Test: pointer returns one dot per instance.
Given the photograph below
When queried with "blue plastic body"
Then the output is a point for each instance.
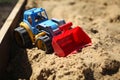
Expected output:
(37, 17)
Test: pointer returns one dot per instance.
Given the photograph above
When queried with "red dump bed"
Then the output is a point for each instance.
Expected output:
(69, 41)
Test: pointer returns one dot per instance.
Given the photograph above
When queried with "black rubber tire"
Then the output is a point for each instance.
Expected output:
(46, 42)
(22, 37)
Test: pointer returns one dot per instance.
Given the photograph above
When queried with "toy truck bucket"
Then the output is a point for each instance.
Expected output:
(70, 40)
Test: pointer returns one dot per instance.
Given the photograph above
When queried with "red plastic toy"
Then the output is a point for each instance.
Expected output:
(70, 40)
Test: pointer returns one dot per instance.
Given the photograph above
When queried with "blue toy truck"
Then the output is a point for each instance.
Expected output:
(37, 29)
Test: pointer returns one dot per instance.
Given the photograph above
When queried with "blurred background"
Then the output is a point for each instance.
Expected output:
(5, 9)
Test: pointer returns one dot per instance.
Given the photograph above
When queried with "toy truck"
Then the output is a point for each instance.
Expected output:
(70, 40)
(37, 29)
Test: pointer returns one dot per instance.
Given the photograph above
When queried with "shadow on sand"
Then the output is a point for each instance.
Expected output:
(19, 66)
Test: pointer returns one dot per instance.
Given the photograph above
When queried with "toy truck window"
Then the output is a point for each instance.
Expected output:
(39, 17)
(43, 15)
(30, 19)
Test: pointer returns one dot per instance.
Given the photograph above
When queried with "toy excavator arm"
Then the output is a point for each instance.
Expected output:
(66, 26)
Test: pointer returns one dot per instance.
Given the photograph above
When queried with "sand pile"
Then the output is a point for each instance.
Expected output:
(101, 61)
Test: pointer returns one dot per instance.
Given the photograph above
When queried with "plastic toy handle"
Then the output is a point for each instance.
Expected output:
(66, 26)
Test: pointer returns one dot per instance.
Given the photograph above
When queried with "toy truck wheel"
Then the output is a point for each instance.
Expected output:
(44, 43)
(22, 37)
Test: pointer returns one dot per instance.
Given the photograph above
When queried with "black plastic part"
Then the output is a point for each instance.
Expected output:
(47, 41)
(22, 37)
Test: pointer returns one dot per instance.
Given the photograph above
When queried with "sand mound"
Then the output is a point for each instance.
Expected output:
(110, 66)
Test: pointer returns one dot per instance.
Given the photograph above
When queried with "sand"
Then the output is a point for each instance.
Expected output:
(100, 19)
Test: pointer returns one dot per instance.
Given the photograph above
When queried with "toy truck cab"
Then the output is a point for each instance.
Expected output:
(37, 20)
(33, 17)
